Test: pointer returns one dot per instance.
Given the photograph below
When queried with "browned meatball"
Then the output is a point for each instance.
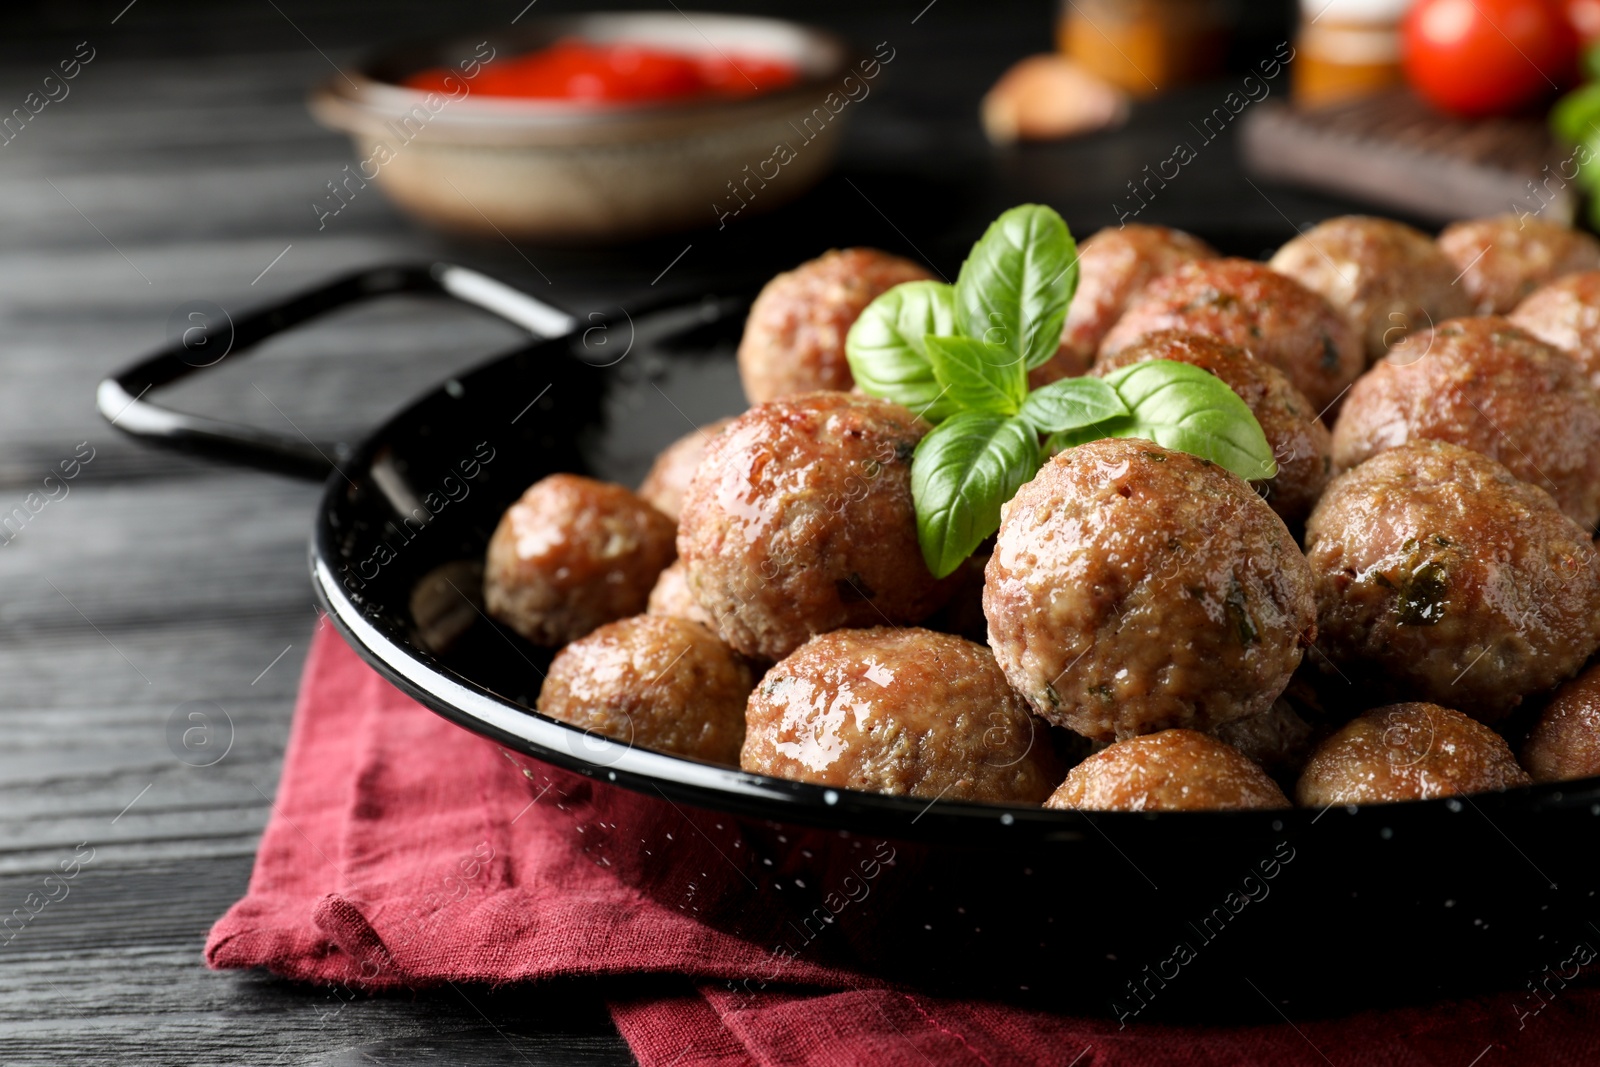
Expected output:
(1278, 739)
(1251, 305)
(1486, 385)
(794, 339)
(1174, 770)
(1503, 259)
(1440, 576)
(669, 476)
(800, 521)
(1114, 266)
(903, 711)
(1407, 752)
(1300, 442)
(1387, 278)
(656, 682)
(572, 554)
(1566, 313)
(1565, 743)
(671, 596)
(1133, 589)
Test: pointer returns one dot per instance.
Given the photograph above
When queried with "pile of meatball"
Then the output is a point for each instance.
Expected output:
(1411, 600)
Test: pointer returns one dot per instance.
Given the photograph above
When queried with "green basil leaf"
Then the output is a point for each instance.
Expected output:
(1574, 117)
(978, 377)
(885, 349)
(1071, 404)
(1014, 288)
(961, 474)
(1182, 407)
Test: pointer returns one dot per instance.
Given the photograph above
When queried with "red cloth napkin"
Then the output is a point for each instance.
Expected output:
(404, 851)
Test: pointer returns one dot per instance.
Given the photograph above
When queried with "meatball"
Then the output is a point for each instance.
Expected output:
(573, 554)
(1565, 743)
(1440, 576)
(671, 596)
(1387, 278)
(669, 476)
(903, 711)
(1300, 442)
(1278, 739)
(656, 682)
(1253, 306)
(800, 521)
(1407, 752)
(1133, 589)
(1566, 314)
(1174, 770)
(1484, 384)
(1114, 266)
(1503, 259)
(794, 338)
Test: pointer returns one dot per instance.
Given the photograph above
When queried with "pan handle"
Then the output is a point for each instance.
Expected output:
(122, 397)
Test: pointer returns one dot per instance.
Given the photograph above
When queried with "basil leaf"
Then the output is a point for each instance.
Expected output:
(1014, 287)
(976, 376)
(885, 349)
(1071, 404)
(960, 475)
(1182, 407)
(1573, 118)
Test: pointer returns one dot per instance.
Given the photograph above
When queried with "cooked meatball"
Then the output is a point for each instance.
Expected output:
(1174, 770)
(1565, 743)
(794, 339)
(800, 521)
(1487, 385)
(671, 596)
(903, 711)
(1114, 266)
(1278, 739)
(1440, 576)
(656, 682)
(1407, 752)
(1133, 589)
(1251, 305)
(1566, 314)
(1300, 442)
(669, 476)
(573, 554)
(1386, 278)
(1503, 259)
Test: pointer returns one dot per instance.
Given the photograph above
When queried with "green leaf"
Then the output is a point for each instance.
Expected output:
(1014, 288)
(976, 376)
(1182, 407)
(960, 475)
(1575, 118)
(1071, 404)
(885, 349)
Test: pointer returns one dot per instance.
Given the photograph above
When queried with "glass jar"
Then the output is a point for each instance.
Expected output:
(1145, 46)
(1346, 49)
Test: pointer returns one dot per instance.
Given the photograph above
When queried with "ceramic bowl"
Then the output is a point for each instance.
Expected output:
(570, 171)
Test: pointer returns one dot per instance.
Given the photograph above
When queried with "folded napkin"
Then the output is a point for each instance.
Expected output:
(405, 852)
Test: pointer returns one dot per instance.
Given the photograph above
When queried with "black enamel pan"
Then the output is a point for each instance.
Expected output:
(1135, 915)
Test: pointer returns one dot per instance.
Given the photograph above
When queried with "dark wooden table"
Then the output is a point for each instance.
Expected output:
(182, 167)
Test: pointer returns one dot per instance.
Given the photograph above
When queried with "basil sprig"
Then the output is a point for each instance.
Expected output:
(959, 356)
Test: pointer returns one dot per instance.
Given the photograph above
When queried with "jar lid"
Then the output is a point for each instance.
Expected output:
(1374, 11)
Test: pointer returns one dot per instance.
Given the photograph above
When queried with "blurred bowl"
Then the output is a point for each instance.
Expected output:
(571, 171)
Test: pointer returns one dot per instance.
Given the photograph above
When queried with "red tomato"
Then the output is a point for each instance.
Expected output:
(1487, 57)
(1585, 18)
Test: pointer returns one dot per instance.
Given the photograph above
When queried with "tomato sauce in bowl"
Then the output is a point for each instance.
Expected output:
(590, 72)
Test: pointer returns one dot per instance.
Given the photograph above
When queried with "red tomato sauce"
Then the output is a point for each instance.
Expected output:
(587, 72)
